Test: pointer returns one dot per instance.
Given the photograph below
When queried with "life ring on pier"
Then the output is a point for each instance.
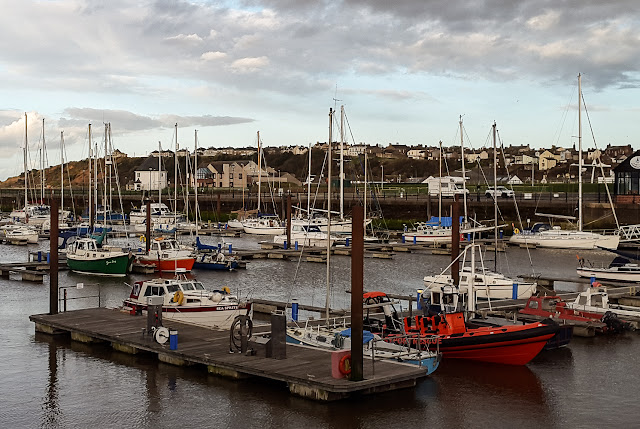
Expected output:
(344, 366)
(178, 297)
(516, 231)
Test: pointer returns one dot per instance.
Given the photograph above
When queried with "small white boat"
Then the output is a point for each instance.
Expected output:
(305, 235)
(374, 347)
(189, 301)
(486, 284)
(263, 225)
(542, 235)
(21, 233)
(620, 269)
(426, 233)
(595, 300)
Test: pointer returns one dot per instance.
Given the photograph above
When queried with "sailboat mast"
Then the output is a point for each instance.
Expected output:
(95, 180)
(175, 182)
(61, 171)
(440, 186)
(495, 201)
(464, 175)
(341, 162)
(365, 190)
(104, 179)
(328, 296)
(259, 171)
(90, 208)
(309, 185)
(26, 183)
(42, 166)
(579, 152)
(195, 177)
(159, 174)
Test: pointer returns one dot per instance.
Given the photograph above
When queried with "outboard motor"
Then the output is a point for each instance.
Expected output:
(614, 324)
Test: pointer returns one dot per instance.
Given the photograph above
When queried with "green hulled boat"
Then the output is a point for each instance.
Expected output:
(84, 256)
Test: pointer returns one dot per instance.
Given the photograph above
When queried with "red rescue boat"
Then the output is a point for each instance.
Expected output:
(510, 344)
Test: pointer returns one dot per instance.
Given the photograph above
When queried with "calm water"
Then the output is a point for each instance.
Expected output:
(51, 382)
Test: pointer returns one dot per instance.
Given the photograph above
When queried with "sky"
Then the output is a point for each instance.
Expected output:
(405, 71)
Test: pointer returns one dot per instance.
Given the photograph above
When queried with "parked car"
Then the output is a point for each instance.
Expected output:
(499, 191)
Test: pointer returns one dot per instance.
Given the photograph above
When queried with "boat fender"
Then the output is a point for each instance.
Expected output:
(344, 366)
(178, 297)
(220, 257)
(516, 231)
(226, 289)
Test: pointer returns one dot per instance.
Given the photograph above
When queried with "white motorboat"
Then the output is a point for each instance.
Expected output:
(595, 300)
(487, 284)
(263, 225)
(21, 233)
(305, 235)
(620, 269)
(543, 235)
(188, 301)
(425, 232)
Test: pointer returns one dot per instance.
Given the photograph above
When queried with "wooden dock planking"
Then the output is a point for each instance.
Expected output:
(306, 370)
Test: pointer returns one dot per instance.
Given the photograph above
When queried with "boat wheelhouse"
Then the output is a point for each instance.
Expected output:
(187, 300)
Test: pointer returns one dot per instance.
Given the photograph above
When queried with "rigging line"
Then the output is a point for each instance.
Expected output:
(515, 201)
(563, 118)
(600, 162)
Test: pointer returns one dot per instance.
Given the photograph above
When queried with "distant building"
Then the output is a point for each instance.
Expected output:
(627, 179)
(148, 175)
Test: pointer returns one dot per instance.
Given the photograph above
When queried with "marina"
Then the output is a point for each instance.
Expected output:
(130, 329)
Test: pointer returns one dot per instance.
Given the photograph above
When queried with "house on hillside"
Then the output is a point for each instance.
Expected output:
(149, 176)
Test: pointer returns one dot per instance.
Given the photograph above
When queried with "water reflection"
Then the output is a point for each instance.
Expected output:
(477, 387)
(50, 402)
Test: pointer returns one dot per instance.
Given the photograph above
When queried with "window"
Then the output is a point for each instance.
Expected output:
(230, 175)
(231, 184)
(239, 175)
(221, 184)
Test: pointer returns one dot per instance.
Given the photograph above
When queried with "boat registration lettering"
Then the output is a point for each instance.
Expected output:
(227, 307)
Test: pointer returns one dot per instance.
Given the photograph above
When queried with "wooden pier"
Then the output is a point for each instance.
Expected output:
(306, 371)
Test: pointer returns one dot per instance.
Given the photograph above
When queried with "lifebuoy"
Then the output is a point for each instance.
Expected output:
(178, 297)
(143, 238)
(516, 231)
(345, 365)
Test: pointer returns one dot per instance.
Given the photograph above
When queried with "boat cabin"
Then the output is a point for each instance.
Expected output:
(163, 245)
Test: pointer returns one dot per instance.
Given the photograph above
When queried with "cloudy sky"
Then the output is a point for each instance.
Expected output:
(405, 70)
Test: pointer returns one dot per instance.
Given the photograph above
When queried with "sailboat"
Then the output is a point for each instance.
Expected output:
(556, 237)
(32, 214)
(262, 224)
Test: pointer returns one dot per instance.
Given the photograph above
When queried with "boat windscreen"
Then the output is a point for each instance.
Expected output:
(172, 288)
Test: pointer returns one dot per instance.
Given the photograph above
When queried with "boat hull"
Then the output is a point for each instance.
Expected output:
(116, 266)
(605, 274)
(216, 266)
(215, 316)
(567, 240)
(169, 265)
(495, 346)
(264, 230)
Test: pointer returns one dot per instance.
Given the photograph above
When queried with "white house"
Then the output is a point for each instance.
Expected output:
(514, 180)
(149, 177)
